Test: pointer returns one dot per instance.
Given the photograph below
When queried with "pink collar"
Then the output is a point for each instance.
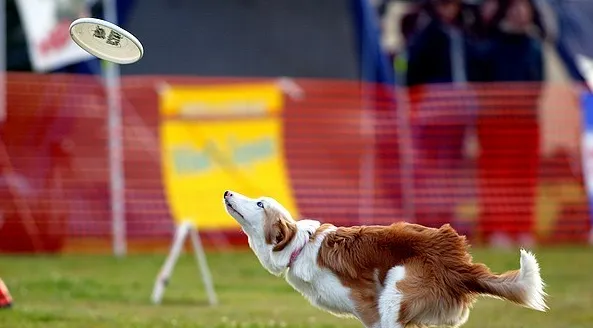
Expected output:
(294, 255)
(297, 252)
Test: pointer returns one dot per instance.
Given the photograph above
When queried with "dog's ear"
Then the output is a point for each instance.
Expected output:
(278, 230)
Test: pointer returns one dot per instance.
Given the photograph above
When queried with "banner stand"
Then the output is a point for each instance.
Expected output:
(207, 146)
(186, 228)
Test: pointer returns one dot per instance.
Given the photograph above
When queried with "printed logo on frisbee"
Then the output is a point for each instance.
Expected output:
(113, 38)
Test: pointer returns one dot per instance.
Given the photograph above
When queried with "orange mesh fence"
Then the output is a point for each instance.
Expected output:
(488, 159)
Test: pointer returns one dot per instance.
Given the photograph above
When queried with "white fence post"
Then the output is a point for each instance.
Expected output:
(115, 139)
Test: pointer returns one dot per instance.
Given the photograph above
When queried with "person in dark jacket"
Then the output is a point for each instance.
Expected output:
(437, 51)
(508, 128)
(439, 69)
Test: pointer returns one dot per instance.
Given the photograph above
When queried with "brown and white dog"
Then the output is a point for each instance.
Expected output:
(402, 275)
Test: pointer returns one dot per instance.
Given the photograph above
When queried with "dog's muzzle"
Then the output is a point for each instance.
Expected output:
(229, 206)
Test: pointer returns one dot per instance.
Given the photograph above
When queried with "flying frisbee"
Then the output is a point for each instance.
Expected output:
(106, 40)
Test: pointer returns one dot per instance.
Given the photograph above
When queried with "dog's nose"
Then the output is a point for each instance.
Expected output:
(227, 194)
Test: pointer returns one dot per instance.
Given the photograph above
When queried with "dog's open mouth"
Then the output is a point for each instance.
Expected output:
(232, 209)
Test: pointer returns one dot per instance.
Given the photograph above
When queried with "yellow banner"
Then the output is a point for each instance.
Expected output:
(208, 148)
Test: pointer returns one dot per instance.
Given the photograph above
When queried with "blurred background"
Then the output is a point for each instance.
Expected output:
(472, 113)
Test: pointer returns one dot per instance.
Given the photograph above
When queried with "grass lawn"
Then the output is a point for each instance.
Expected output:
(100, 291)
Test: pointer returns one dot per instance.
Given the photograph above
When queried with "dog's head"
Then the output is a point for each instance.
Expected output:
(272, 232)
(262, 218)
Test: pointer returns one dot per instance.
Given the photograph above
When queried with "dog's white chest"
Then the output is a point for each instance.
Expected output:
(324, 291)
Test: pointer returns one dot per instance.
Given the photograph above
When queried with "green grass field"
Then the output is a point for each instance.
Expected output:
(100, 291)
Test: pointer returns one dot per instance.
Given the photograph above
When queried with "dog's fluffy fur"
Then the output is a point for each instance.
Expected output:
(402, 275)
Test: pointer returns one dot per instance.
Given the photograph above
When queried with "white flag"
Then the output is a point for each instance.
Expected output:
(46, 24)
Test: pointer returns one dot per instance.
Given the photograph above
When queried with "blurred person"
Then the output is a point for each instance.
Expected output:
(436, 50)
(509, 135)
(487, 11)
(440, 62)
(408, 26)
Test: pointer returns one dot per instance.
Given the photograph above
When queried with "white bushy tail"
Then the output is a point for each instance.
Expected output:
(524, 286)
(531, 282)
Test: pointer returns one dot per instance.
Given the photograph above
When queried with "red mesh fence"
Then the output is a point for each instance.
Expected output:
(482, 158)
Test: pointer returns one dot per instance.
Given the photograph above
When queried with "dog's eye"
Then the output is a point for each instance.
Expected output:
(260, 204)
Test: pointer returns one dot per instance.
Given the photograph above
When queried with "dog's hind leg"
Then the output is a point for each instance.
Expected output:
(390, 300)
(462, 319)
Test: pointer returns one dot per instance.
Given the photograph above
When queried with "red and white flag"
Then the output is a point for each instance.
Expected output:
(46, 24)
